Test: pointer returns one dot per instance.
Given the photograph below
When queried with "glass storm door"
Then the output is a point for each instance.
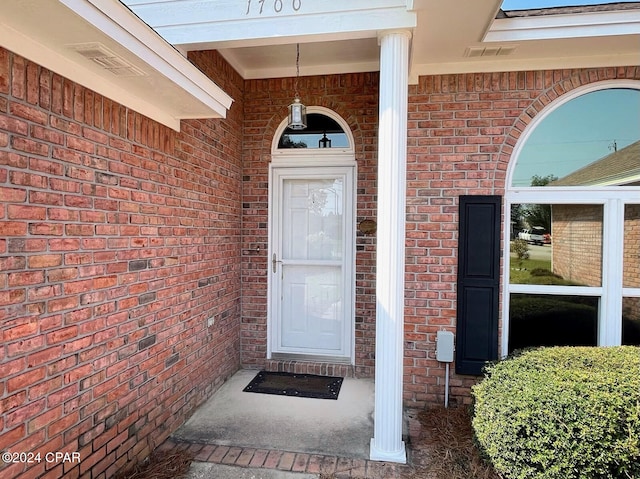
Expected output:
(311, 263)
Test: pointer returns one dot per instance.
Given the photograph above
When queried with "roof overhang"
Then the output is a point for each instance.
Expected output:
(580, 25)
(580, 37)
(137, 67)
(258, 38)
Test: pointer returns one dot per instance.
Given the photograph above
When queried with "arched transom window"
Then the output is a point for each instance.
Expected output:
(326, 140)
(322, 131)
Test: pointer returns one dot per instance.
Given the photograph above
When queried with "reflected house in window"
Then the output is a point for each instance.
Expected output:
(620, 168)
(577, 230)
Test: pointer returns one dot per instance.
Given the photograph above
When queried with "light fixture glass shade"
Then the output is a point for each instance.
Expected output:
(297, 115)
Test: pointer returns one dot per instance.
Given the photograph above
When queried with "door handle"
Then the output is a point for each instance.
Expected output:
(274, 263)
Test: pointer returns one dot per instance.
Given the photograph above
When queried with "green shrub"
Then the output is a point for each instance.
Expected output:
(520, 248)
(544, 272)
(562, 413)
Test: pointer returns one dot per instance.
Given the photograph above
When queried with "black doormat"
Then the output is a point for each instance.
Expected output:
(300, 385)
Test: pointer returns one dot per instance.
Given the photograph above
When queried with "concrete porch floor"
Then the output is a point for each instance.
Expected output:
(259, 435)
(265, 421)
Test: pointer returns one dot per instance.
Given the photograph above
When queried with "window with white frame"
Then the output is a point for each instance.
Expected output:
(573, 223)
(322, 131)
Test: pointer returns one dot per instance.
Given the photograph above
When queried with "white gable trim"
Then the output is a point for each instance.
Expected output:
(564, 26)
(169, 88)
(118, 22)
(202, 24)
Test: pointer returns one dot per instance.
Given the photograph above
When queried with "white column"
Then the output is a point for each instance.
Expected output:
(387, 444)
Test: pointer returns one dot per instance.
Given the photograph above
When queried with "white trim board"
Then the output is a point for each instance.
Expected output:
(168, 88)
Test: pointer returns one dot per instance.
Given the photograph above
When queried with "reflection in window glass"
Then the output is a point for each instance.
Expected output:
(631, 265)
(321, 132)
(589, 141)
(548, 320)
(313, 214)
(556, 244)
(631, 321)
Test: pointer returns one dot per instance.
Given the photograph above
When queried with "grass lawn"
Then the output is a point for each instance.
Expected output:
(521, 270)
(534, 271)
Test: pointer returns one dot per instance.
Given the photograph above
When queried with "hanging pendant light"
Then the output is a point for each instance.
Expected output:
(297, 111)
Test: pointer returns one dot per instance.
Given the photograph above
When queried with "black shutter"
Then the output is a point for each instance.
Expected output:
(478, 283)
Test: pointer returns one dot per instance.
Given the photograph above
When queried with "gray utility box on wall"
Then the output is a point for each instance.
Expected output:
(444, 346)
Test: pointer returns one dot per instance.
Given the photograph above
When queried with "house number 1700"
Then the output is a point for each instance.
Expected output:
(278, 5)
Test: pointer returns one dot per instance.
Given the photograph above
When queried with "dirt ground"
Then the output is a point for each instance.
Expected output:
(445, 448)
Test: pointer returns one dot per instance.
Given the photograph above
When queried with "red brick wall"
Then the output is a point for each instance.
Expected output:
(577, 243)
(631, 268)
(118, 239)
(355, 98)
(462, 130)
(631, 272)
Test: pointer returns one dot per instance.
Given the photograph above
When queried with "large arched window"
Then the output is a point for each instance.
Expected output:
(573, 223)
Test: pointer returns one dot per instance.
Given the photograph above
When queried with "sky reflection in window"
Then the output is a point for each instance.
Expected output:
(597, 132)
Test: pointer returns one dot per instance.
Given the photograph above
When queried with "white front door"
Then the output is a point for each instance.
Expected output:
(311, 268)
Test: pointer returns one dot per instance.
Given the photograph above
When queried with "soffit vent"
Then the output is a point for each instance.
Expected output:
(497, 51)
(106, 59)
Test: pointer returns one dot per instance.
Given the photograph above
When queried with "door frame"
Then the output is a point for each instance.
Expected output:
(314, 168)
(314, 160)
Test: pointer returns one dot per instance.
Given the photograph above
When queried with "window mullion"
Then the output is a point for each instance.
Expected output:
(506, 268)
(610, 317)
